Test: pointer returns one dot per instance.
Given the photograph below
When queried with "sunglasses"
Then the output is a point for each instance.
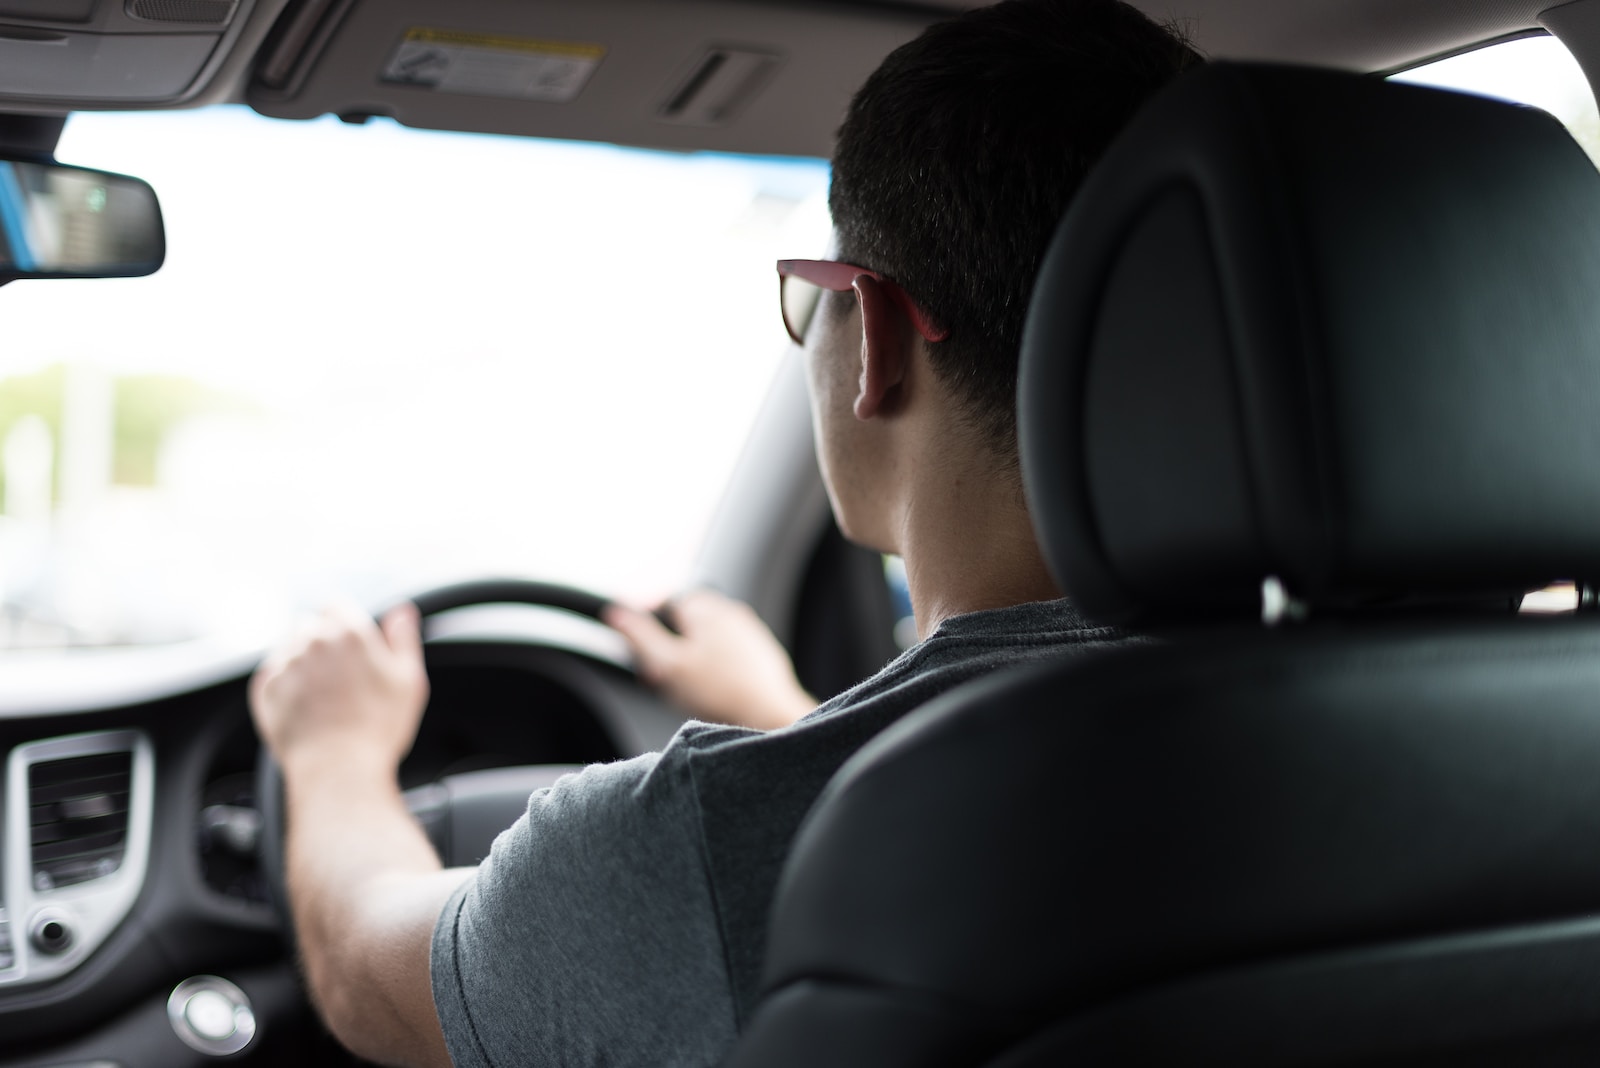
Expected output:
(800, 286)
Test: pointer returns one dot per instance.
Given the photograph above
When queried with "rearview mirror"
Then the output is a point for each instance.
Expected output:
(68, 222)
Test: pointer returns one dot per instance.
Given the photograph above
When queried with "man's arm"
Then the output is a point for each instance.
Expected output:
(339, 708)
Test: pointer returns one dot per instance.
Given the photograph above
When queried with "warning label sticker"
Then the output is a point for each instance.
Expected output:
(489, 64)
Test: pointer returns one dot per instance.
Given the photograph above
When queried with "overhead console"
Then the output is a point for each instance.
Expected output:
(714, 75)
(112, 53)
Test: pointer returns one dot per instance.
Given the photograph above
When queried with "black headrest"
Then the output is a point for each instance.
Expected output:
(1320, 327)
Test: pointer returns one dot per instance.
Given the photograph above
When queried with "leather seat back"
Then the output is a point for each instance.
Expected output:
(1193, 832)
(1332, 343)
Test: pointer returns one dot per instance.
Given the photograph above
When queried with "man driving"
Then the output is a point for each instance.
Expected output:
(622, 919)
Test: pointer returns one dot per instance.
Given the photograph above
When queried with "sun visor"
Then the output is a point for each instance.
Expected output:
(110, 53)
(722, 76)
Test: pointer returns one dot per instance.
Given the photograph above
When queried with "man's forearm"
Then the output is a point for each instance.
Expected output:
(365, 887)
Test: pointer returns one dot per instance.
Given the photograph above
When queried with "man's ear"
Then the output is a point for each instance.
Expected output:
(885, 334)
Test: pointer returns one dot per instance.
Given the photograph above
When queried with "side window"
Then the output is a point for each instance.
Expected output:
(845, 621)
(1529, 70)
(905, 624)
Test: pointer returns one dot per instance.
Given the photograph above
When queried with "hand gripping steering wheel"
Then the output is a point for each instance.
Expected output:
(462, 813)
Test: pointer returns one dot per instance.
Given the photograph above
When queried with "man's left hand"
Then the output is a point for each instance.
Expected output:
(338, 705)
(344, 689)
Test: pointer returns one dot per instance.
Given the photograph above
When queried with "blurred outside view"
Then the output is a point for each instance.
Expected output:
(378, 359)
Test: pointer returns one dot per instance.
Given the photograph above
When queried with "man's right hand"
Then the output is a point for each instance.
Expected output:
(724, 665)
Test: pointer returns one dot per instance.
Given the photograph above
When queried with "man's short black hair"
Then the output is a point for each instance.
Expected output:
(960, 153)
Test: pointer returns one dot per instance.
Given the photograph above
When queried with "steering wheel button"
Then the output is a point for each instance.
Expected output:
(210, 1013)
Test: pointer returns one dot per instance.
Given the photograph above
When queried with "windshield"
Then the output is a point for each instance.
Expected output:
(378, 359)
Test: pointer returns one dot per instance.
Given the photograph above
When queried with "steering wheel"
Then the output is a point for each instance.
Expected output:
(463, 813)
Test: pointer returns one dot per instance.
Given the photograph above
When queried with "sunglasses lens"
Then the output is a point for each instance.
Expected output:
(799, 299)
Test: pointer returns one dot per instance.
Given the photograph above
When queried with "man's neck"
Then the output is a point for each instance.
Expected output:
(968, 544)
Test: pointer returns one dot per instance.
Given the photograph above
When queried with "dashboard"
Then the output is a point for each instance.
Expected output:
(137, 923)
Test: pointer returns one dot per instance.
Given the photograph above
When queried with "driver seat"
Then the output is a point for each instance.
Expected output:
(1309, 397)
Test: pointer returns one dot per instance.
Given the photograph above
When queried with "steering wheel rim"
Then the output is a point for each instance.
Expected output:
(269, 777)
(510, 591)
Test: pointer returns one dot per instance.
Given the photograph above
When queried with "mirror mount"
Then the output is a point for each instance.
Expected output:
(30, 137)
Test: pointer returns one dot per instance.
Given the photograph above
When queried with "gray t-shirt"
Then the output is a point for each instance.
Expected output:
(621, 921)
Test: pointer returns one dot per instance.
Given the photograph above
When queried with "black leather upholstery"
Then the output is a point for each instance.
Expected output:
(1293, 330)
(1300, 324)
(1067, 844)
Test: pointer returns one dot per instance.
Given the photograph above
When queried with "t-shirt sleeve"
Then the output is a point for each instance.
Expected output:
(589, 935)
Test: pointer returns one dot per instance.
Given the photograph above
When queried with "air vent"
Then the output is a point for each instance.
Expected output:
(78, 811)
(194, 12)
(8, 956)
(718, 85)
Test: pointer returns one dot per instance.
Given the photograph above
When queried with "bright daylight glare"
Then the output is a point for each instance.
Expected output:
(378, 359)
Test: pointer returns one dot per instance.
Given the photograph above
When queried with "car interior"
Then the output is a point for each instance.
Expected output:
(1307, 397)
